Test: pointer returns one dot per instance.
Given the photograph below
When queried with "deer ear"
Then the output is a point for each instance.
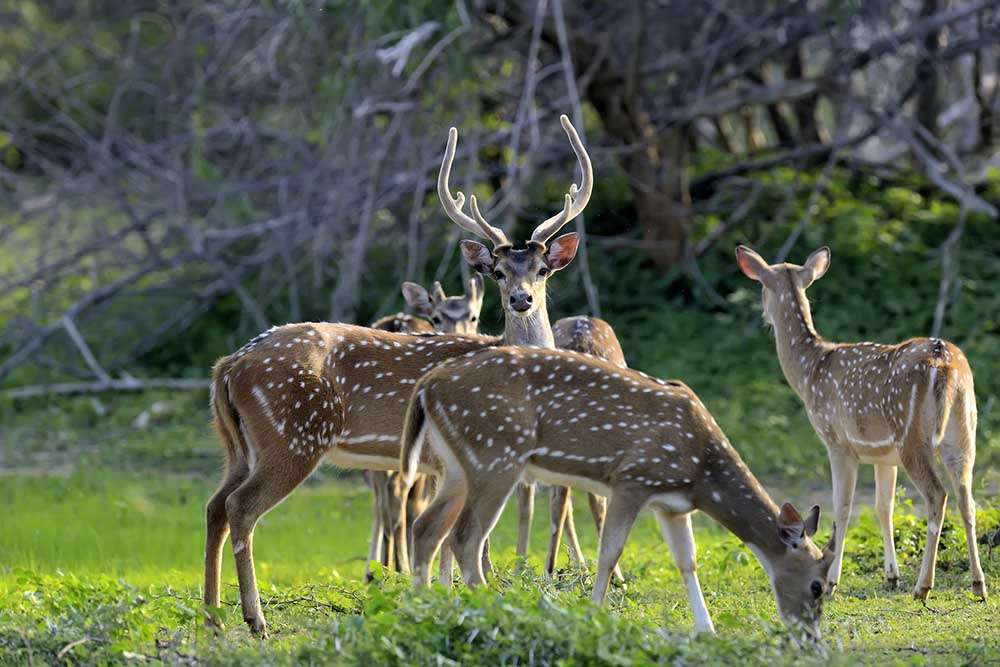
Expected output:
(438, 295)
(561, 251)
(418, 298)
(475, 290)
(791, 529)
(477, 256)
(751, 264)
(811, 522)
(815, 266)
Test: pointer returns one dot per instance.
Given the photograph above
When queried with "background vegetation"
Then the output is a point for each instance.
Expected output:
(177, 176)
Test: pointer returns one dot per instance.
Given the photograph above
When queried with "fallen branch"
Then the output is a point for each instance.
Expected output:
(122, 384)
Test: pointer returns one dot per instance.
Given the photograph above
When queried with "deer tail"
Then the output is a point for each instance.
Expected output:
(413, 438)
(225, 417)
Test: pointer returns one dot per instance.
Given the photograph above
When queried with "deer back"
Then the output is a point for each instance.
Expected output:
(589, 335)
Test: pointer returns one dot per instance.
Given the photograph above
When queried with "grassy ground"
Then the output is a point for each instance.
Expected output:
(101, 562)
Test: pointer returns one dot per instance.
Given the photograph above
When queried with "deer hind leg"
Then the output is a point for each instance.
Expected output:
(433, 525)
(959, 459)
(622, 511)
(677, 532)
(525, 514)
(269, 483)
(475, 523)
(844, 472)
(919, 464)
(217, 530)
(885, 494)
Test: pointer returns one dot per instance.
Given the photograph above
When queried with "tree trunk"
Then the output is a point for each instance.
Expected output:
(929, 95)
(804, 109)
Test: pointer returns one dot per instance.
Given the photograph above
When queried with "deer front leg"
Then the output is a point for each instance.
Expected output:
(622, 510)
(885, 494)
(572, 541)
(559, 507)
(375, 545)
(680, 539)
(525, 513)
(598, 508)
(844, 471)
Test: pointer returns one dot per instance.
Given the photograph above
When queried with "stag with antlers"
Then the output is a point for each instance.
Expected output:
(494, 416)
(302, 393)
(887, 405)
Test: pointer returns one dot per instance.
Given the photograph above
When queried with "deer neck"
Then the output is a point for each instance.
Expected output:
(533, 330)
(738, 501)
(799, 346)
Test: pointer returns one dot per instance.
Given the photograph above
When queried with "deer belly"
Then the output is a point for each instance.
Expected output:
(871, 440)
(553, 478)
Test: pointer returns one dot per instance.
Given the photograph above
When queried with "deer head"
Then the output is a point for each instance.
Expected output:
(798, 573)
(521, 273)
(449, 314)
(783, 283)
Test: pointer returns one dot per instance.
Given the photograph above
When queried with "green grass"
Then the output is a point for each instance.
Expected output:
(115, 558)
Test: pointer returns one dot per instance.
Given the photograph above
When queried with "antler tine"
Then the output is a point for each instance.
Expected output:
(495, 234)
(578, 197)
(453, 206)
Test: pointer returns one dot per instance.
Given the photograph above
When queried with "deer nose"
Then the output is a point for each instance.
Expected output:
(520, 301)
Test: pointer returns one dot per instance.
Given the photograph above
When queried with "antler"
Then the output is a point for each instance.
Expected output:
(453, 206)
(577, 198)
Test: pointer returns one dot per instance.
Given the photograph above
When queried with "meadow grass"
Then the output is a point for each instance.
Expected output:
(115, 559)
(102, 532)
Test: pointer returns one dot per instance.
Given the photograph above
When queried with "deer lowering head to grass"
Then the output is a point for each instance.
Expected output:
(301, 393)
(568, 419)
(887, 405)
(449, 314)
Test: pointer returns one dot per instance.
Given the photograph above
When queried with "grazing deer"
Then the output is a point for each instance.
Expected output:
(455, 314)
(887, 405)
(567, 419)
(301, 393)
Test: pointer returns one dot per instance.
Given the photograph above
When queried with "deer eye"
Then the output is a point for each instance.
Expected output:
(436, 320)
(817, 589)
(498, 275)
(544, 271)
(473, 318)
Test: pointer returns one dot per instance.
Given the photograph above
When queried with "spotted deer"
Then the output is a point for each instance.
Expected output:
(447, 314)
(302, 393)
(887, 405)
(588, 335)
(493, 417)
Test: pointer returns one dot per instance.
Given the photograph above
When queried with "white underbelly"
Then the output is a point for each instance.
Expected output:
(352, 461)
(890, 457)
(534, 472)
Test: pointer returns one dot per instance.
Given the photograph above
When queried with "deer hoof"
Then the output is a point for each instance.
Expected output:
(258, 628)
(979, 590)
(921, 592)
